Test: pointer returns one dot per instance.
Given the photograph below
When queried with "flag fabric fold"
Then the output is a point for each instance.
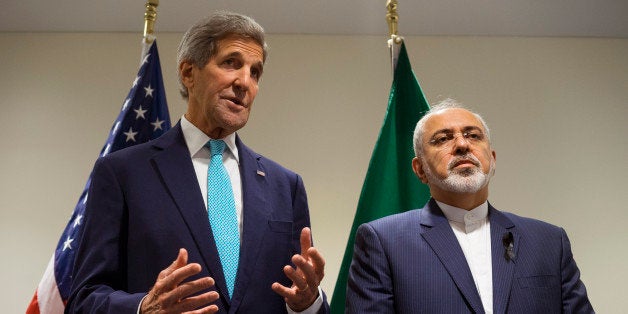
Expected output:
(390, 185)
(144, 116)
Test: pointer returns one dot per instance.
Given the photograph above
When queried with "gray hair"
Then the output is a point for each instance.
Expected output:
(439, 107)
(199, 43)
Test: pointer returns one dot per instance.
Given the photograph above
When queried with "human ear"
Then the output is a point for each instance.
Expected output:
(417, 167)
(186, 74)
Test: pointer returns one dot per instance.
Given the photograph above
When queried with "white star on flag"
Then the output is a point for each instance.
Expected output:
(130, 135)
(77, 221)
(126, 104)
(106, 150)
(157, 124)
(67, 244)
(146, 58)
(140, 113)
(149, 91)
(114, 130)
(137, 79)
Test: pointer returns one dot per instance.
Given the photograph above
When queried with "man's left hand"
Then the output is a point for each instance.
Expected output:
(305, 278)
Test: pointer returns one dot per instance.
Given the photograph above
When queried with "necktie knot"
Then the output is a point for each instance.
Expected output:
(216, 147)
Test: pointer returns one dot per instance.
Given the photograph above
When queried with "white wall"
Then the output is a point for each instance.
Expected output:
(557, 108)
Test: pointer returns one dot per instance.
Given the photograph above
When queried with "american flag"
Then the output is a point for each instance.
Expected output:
(144, 116)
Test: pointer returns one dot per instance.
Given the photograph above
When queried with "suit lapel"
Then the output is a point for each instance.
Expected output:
(503, 270)
(438, 234)
(255, 216)
(174, 165)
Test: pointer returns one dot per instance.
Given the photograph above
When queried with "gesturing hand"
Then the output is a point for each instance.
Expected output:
(169, 295)
(305, 278)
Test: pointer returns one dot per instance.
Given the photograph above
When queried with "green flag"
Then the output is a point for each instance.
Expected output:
(390, 185)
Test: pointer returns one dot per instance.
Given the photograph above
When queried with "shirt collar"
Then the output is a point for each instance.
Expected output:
(196, 139)
(463, 216)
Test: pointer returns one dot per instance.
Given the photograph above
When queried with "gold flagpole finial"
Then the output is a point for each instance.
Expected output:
(394, 43)
(393, 19)
(149, 20)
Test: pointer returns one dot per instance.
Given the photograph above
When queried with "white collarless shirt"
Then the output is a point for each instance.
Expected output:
(473, 231)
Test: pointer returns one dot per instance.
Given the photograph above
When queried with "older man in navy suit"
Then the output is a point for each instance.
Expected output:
(459, 254)
(149, 245)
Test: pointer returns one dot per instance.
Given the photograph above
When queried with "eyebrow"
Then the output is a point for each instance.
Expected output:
(464, 129)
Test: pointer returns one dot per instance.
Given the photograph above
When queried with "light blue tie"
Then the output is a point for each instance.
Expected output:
(222, 213)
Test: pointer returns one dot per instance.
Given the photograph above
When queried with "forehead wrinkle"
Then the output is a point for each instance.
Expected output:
(240, 43)
(451, 118)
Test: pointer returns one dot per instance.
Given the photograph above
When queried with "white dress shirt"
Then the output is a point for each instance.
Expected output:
(473, 231)
(196, 140)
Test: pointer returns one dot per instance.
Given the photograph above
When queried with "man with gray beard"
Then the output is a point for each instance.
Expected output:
(459, 254)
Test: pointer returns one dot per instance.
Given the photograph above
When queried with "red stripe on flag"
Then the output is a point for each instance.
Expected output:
(33, 307)
(47, 299)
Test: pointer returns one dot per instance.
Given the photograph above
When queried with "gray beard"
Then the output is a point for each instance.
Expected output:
(468, 180)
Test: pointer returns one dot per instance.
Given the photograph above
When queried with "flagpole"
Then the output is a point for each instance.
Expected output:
(149, 20)
(150, 15)
(395, 40)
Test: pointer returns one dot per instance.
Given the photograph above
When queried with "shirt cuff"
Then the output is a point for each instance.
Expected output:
(313, 309)
(139, 307)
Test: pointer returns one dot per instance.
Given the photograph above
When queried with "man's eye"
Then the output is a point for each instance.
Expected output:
(255, 74)
(442, 139)
(474, 135)
(229, 62)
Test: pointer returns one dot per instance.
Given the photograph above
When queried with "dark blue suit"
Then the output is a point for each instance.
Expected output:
(412, 263)
(145, 203)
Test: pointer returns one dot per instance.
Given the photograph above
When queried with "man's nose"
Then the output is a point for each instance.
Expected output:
(243, 79)
(461, 145)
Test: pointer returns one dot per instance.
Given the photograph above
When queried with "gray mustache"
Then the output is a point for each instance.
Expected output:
(467, 157)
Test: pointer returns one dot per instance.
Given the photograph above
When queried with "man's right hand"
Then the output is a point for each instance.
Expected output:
(169, 295)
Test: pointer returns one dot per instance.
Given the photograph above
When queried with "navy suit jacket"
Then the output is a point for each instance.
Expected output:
(145, 203)
(412, 263)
